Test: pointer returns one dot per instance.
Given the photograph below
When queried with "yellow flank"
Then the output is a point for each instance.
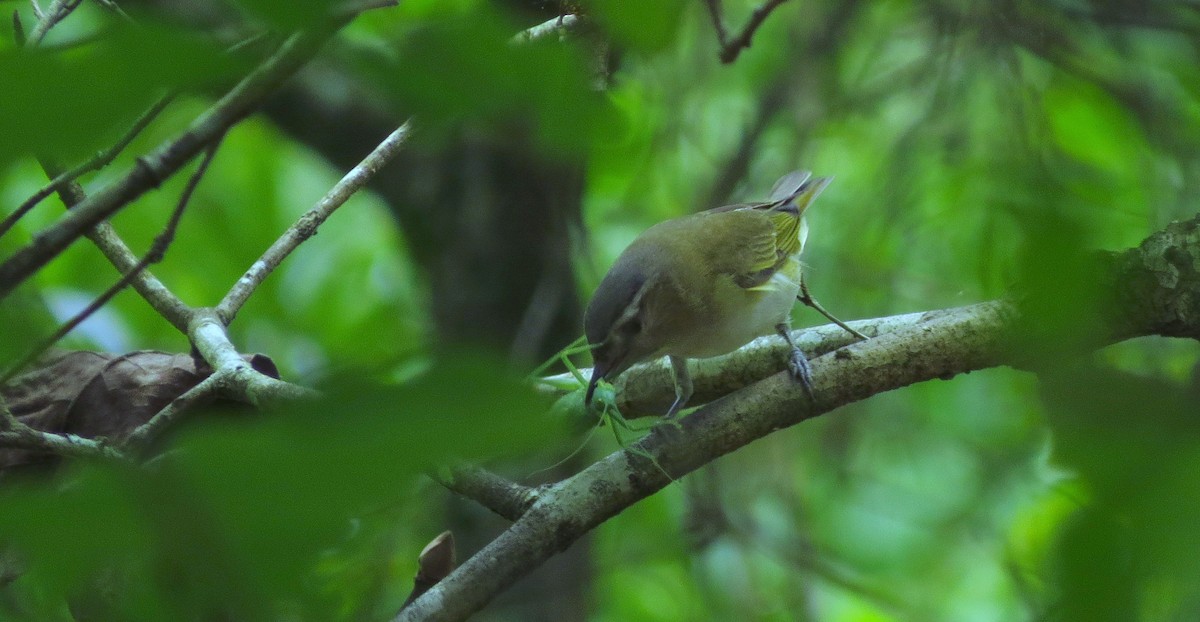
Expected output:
(787, 232)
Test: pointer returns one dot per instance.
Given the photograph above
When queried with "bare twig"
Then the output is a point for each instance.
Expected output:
(70, 445)
(165, 302)
(153, 168)
(157, 250)
(100, 160)
(113, 8)
(171, 414)
(307, 225)
(731, 48)
(57, 12)
(15, 434)
(806, 297)
(558, 25)
(714, 11)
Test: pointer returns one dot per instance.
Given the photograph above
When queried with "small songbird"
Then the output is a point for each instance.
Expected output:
(703, 285)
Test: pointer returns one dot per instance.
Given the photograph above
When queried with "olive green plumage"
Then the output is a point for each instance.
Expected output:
(702, 285)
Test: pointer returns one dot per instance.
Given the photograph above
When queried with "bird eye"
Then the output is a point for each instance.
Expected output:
(633, 326)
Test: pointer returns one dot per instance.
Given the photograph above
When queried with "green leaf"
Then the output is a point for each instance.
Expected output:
(643, 26)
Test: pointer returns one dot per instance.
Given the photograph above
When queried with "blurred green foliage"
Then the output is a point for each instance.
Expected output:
(269, 516)
(975, 146)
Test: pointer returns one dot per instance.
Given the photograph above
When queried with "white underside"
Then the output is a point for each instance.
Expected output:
(769, 304)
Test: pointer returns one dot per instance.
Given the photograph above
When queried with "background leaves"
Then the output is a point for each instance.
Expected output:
(977, 148)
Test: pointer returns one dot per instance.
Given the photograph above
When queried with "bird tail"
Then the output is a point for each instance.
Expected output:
(796, 191)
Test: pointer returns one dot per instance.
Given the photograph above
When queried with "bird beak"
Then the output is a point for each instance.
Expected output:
(599, 369)
(607, 362)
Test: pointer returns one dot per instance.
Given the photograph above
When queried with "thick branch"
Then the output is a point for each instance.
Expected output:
(1155, 289)
(241, 380)
(493, 492)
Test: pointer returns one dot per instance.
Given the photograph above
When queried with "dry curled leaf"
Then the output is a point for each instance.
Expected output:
(96, 394)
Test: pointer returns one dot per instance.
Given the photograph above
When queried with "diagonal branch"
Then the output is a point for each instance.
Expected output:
(155, 254)
(165, 160)
(307, 225)
(558, 25)
(15, 434)
(1152, 289)
(170, 415)
(57, 12)
(98, 161)
(505, 498)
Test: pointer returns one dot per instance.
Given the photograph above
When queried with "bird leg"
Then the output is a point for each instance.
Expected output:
(809, 301)
(683, 385)
(797, 362)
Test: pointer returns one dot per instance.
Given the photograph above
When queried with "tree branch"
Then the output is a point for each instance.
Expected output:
(1152, 289)
(307, 225)
(58, 11)
(732, 48)
(505, 498)
(152, 169)
(243, 382)
(100, 160)
(158, 248)
(171, 414)
(558, 25)
(13, 433)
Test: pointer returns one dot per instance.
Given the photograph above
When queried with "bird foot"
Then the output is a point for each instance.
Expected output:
(801, 370)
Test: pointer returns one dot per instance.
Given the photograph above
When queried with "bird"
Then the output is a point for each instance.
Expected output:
(703, 285)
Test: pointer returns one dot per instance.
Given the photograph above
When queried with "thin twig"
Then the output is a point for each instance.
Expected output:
(113, 8)
(714, 11)
(100, 160)
(165, 160)
(171, 414)
(806, 297)
(105, 237)
(155, 254)
(57, 12)
(731, 48)
(69, 445)
(307, 225)
(17, 435)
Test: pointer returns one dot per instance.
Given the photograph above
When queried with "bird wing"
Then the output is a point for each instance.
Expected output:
(773, 242)
(774, 230)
